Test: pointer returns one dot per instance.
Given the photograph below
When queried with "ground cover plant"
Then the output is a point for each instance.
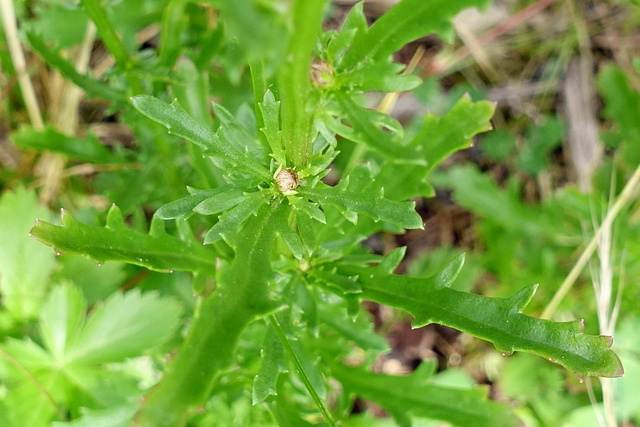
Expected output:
(213, 265)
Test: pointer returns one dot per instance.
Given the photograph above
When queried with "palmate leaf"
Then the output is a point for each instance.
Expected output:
(122, 326)
(116, 242)
(25, 265)
(498, 320)
(404, 396)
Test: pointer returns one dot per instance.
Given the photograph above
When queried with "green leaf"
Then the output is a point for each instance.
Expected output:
(53, 59)
(541, 140)
(414, 395)
(378, 208)
(220, 202)
(477, 192)
(25, 265)
(232, 220)
(498, 320)
(273, 364)
(180, 123)
(115, 242)
(364, 130)
(61, 318)
(406, 21)
(125, 325)
(270, 109)
(89, 149)
(185, 205)
(380, 76)
(438, 138)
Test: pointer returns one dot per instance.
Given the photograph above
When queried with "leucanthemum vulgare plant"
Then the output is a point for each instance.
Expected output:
(281, 270)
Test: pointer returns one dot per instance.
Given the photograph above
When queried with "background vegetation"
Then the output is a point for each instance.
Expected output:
(547, 197)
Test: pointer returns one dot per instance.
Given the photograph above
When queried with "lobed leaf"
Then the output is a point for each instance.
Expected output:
(115, 242)
(363, 129)
(125, 325)
(438, 138)
(406, 21)
(413, 395)
(180, 123)
(378, 208)
(25, 265)
(498, 320)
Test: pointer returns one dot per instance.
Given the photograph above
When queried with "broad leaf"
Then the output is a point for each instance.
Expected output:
(116, 242)
(125, 325)
(498, 320)
(414, 395)
(25, 265)
(180, 123)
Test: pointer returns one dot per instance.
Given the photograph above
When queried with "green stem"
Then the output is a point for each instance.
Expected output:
(240, 298)
(303, 375)
(295, 83)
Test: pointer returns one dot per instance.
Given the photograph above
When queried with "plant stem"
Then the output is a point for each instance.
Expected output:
(240, 298)
(303, 375)
(294, 81)
(624, 197)
(20, 64)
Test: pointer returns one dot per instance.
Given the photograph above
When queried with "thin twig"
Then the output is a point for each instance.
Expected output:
(20, 64)
(624, 197)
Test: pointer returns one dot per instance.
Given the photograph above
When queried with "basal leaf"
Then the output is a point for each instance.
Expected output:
(179, 123)
(61, 318)
(498, 320)
(125, 325)
(116, 242)
(414, 395)
(25, 265)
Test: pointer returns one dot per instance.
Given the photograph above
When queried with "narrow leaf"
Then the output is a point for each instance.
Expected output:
(413, 394)
(402, 214)
(403, 23)
(498, 320)
(180, 123)
(116, 242)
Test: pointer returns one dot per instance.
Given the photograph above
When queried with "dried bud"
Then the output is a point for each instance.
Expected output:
(287, 180)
